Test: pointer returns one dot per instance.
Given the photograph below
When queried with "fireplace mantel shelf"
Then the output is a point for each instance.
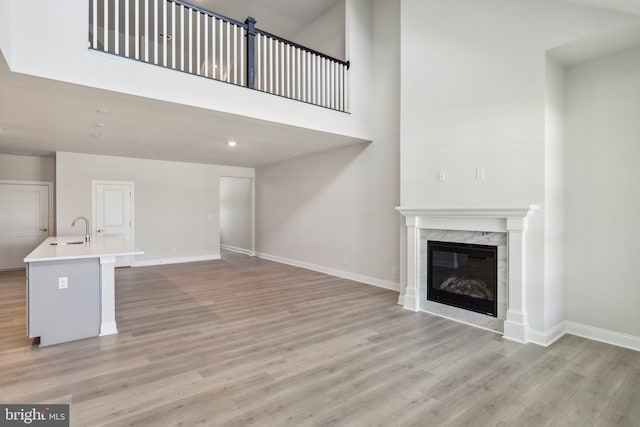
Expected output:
(515, 211)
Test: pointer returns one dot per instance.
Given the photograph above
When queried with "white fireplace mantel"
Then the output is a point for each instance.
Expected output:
(507, 219)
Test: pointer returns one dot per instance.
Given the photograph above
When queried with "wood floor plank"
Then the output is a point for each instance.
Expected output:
(247, 342)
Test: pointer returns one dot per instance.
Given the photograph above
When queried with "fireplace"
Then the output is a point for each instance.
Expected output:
(463, 275)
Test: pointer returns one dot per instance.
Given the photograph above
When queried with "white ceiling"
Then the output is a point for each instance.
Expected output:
(625, 6)
(40, 116)
(607, 41)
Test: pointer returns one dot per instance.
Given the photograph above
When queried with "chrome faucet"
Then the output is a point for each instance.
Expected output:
(87, 236)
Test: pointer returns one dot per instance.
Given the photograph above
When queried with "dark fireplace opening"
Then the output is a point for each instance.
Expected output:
(463, 275)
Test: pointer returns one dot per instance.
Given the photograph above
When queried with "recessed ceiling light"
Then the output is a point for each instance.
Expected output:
(96, 135)
(232, 143)
(104, 111)
(297, 153)
(100, 125)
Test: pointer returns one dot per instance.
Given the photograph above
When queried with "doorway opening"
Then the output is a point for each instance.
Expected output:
(236, 214)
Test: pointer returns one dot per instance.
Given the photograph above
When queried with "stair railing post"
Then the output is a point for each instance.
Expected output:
(251, 36)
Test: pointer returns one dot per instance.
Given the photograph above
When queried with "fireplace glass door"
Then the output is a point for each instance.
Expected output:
(463, 275)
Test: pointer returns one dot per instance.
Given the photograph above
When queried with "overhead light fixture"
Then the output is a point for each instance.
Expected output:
(232, 143)
(100, 125)
(96, 135)
(103, 111)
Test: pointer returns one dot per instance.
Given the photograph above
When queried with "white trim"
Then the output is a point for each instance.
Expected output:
(547, 337)
(238, 250)
(50, 186)
(132, 208)
(386, 284)
(519, 211)
(603, 335)
(163, 261)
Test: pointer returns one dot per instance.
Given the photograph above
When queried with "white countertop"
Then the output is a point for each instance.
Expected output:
(97, 247)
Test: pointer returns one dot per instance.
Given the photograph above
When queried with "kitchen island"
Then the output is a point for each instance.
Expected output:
(71, 287)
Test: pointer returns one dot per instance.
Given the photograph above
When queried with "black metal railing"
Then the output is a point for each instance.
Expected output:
(183, 37)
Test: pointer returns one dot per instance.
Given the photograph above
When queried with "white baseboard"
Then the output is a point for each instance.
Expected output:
(603, 335)
(333, 272)
(547, 337)
(150, 262)
(238, 250)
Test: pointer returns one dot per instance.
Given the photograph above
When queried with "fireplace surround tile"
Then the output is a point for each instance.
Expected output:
(478, 238)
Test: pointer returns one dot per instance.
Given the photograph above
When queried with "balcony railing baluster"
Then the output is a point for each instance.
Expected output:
(218, 48)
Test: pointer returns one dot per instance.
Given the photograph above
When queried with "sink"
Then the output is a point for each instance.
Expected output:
(65, 243)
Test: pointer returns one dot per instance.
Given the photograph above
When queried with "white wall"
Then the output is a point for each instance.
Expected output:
(27, 168)
(554, 213)
(51, 41)
(602, 175)
(323, 209)
(326, 34)
(176, 204)
(473, 96)
(236, 212)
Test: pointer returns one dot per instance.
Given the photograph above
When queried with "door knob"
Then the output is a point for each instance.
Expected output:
(44, 229)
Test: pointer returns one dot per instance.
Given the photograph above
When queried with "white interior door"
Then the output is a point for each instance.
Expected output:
(24, 221)
(113, 207)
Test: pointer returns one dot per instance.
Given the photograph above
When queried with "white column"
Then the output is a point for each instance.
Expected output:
(107, 296)
(411, 293)
(516, 325)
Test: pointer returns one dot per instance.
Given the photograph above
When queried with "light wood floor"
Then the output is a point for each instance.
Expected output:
(244, 341)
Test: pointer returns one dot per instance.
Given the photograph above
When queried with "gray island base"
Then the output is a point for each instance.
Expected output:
(71, 289)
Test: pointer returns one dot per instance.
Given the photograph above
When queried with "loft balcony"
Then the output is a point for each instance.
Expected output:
(182, 37)
(180, 93)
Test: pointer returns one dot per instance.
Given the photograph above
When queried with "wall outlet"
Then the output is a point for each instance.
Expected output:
(173, 250)
(345, 261)
(442, 176)
(394, 271)
(63, 282)
(480, 173)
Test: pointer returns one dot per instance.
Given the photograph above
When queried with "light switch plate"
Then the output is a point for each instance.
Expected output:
(63, 282)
